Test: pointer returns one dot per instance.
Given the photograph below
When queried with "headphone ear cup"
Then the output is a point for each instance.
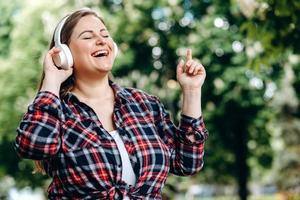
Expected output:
(64, 59)
(115, 50)
(69, 57)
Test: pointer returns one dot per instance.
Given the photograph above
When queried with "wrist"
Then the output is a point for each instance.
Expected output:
(191, 92)
(191, 104)
(51, 85)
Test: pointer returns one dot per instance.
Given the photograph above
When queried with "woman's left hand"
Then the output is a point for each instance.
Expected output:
(191, 74)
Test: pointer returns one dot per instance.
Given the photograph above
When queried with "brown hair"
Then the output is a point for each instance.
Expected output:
(68, 84)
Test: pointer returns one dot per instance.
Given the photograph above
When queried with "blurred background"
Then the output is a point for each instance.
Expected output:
(251, 51)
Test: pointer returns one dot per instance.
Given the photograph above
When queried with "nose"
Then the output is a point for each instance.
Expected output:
(100, 40)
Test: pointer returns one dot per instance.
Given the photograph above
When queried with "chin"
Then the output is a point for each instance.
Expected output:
(104, 68)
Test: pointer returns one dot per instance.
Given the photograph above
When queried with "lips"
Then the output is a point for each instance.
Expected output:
(100, 53)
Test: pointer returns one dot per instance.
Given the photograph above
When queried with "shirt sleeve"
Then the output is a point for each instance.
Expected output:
(186, 141)
(38, 133)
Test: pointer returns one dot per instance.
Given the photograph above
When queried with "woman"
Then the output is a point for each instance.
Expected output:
(98, 140)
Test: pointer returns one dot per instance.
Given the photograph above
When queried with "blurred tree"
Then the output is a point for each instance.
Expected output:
(276, 25)
(152, 35)
(7, 10)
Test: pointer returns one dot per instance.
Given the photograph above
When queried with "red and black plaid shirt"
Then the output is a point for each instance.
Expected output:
(82, 157)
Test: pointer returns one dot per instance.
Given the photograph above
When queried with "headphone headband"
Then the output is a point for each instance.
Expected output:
(58, 29)
(61, 24)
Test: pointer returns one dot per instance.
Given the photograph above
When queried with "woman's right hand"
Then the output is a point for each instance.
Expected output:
(51, 70)
(54, 76)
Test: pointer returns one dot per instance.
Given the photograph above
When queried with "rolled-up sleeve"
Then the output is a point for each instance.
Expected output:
(192, 128)
(186, 142)
(38, 133)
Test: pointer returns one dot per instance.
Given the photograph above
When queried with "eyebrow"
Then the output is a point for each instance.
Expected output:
(90, 31)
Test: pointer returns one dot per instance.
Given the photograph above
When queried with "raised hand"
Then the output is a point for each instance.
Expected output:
(190, 74)
(51, 71)
(54, 77)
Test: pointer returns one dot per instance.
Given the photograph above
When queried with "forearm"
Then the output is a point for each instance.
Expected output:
(38, 132)
(187, 159)
(191, 104)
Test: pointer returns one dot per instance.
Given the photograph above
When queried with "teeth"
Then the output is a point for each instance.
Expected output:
(97, 53)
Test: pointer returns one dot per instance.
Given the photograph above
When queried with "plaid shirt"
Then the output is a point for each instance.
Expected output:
(82, 157)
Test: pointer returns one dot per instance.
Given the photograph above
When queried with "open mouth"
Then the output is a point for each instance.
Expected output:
(100, 53)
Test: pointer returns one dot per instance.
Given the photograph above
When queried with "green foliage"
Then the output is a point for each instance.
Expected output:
(7, 10)
(244, 53)
(276, 25)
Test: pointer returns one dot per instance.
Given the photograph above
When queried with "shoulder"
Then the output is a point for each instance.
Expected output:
(140, 95)
(146, 102)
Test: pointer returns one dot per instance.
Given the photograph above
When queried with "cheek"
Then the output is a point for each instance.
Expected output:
(79, 51)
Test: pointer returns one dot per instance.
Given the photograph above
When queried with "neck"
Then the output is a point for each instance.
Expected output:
(90, 90)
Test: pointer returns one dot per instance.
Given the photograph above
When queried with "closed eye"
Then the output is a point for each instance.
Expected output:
(87, 38)
(89, 34)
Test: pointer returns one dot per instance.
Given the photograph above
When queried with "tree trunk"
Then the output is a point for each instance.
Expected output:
(241, 151)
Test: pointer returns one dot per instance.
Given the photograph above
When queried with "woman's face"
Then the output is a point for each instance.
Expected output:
(91, 46)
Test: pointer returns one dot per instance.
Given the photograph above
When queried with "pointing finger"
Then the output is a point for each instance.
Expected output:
(189, 54)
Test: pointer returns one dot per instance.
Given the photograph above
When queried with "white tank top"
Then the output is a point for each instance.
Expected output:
(128, 177)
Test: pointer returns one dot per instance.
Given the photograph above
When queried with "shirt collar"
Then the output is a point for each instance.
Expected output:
(121, 92)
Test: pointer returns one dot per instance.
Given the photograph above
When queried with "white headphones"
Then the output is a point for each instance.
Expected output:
(65, 59)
